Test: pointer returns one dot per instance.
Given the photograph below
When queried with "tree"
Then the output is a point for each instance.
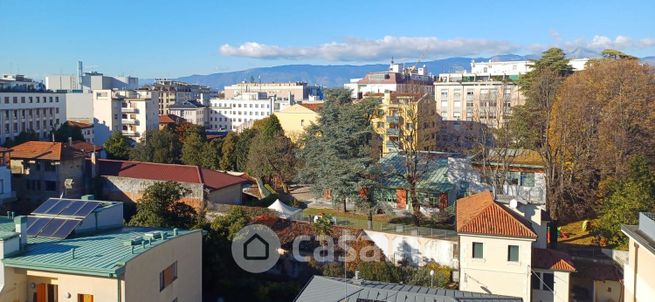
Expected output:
(22, 137)
(184, 129)
(159, 146)
(336, 151)
(211, 154)
(616, 55)
(117, 146)
(161, 207)
(422, 277)
(228, 147)
(192, 149)
(66, 131)
(271, 154)
(531, 122)
(242, 148)
(628, 197)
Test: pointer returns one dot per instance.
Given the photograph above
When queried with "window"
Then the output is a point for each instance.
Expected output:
(478, 250)
(50, 186)
(527, 179)
(513, 253)
(84, 298)
(543, 281)
(167, 276)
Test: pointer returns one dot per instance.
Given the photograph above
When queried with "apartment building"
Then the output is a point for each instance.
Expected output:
(406, 119)
(240, 112)
(133, 112)
(395, 79)
(296, 118)
(296, 91)
(26, 105)
(6, 192)
(191, 111)
(173, 92)
(639, 271)
(78, 250)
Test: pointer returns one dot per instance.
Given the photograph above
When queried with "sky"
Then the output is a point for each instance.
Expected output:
(156, 39)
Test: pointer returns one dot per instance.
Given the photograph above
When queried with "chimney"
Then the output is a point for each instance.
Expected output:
(70, 141)
(21, 228)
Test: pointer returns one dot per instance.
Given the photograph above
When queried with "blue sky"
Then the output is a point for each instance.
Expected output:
(176, 38)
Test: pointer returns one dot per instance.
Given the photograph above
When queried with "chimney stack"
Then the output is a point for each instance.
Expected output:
(21, 228)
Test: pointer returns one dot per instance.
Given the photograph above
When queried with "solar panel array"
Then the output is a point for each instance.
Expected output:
(58, 218)
(66, 207)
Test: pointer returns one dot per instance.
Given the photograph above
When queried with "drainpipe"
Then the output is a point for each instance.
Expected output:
(118, 288)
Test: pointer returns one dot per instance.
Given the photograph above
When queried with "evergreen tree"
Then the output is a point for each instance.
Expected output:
(118, 146)
(159, 146)
(65, 131)
(192, 149)
(242, 148)
(227, 152)
(161, 207)
(211, 154)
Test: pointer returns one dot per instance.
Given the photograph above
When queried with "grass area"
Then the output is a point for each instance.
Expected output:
(576, 235)
(346, 215)
(360, 220)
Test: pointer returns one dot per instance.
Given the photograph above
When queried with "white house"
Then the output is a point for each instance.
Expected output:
(243, 110)
(500, 251)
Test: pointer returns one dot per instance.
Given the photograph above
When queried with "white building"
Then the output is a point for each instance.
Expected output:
(131, 111)
(173, 92)
(26, 105)
(503, 251)
(192, 111)
(396, 79)
(296, 91)
(239, 113)
(6, 193)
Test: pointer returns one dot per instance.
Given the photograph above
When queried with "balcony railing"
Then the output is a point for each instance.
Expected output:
(393, 119)
(129, 110)
(129, 121)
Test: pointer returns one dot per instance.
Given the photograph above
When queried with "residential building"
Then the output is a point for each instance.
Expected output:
(296, 118)
(486, 94)
(639, 271)
(126, 181)
(191, 111)
(44, 169)
(321, 288)
(173, 92)
(85, 128)
(99, 81)
(397, 79)
(133, 112)
(239, 113)
(502, 250)
(296, 91)
(169, 119)
(405, 120)
(6, 192)
(78, 250)
(26, 105)
(463, 136)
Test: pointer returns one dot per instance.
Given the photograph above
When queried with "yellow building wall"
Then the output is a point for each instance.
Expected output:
(295, 119)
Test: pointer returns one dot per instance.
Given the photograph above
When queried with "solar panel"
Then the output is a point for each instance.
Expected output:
(45, 206)
(87, 209)
(72, 207)
(52, 227)
(36, 226)
(57, 208)
(67, 228)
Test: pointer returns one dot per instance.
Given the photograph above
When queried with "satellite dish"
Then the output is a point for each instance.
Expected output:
(513, 203)
(68, 183)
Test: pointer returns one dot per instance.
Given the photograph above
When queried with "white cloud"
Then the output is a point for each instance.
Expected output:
(372, 50)
(414, 47)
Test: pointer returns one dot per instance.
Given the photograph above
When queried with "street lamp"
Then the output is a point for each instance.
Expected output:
(431, 277)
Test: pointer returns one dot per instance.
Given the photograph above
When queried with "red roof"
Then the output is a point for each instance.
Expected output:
(170, 119)
(44, 151)
(85, 147)
(312, 106)
(480, 214)
(552, 260)
(211, 179)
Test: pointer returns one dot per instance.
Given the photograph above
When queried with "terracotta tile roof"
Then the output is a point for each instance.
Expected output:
(79, 124)
(312, 106)
(552, 260)
(170, 119)
(211, 179)
(44, 151)
(85, 147)
(480, 214)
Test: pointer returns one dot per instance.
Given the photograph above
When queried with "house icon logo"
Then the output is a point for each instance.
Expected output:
(255, 248)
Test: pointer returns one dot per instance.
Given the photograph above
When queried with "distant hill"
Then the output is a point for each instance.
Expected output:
(337, 75)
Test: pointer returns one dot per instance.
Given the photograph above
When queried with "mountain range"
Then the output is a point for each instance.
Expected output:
(337, 75)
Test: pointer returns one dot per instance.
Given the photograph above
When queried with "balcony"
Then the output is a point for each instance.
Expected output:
(131, 133)
(129, 110)
(392, 131)
(393, 119)
(129, 122)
